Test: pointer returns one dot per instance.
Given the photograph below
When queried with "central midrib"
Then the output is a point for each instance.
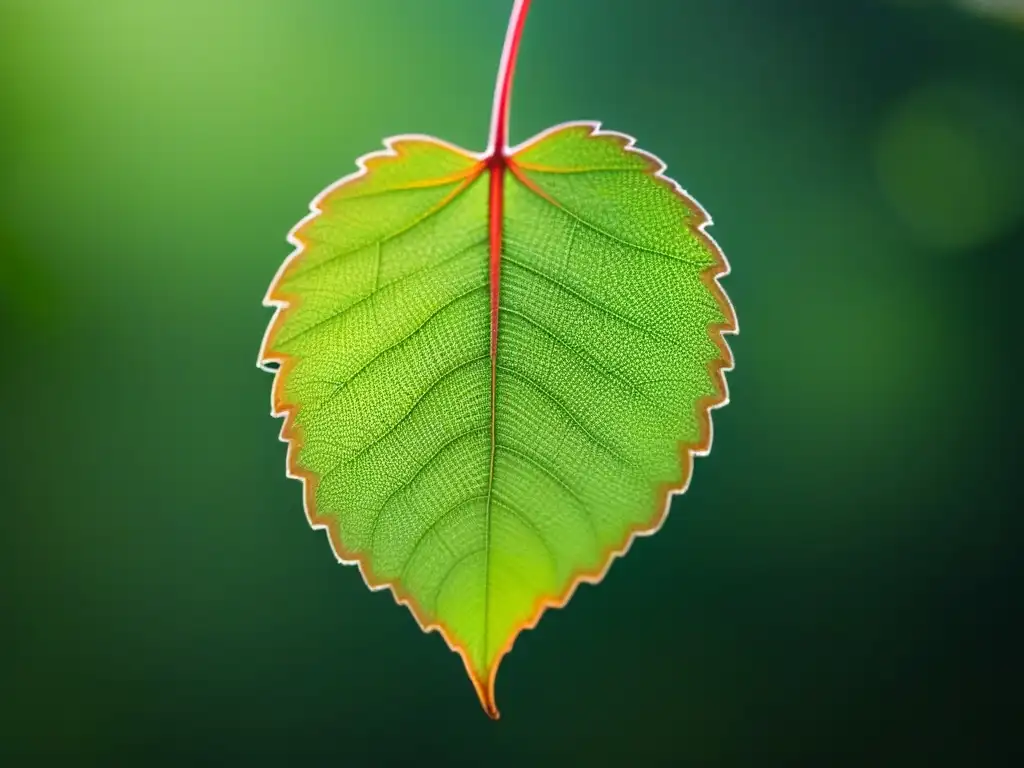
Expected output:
(495, 213)
(496, 165)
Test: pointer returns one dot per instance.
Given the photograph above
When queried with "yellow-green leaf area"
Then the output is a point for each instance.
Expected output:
(482, 489)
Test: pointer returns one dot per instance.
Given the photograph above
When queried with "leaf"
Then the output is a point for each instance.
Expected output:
(495, 368)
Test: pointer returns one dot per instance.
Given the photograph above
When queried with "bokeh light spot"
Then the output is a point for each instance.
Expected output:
(941, 163)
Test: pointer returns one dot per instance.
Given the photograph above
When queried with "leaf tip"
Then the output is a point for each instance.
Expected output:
(483, 678)
(485, 691)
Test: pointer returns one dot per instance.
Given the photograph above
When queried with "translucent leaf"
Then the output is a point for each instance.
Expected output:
(496, 368)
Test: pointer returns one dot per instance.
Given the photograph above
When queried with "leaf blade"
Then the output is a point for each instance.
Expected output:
(549, 554)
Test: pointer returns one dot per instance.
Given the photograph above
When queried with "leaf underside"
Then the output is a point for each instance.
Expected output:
(609, 358)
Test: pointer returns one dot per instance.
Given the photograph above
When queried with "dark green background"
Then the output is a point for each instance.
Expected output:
(840, 585)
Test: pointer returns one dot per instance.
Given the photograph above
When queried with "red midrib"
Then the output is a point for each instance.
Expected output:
(497, 162)
(496, 212)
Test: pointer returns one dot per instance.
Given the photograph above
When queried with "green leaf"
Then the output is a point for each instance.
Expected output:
(495, 368)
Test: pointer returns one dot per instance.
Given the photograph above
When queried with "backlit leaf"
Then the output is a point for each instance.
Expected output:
(496, 367)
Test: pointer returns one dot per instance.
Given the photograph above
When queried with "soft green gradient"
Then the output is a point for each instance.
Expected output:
(841, 581)
(482, 485)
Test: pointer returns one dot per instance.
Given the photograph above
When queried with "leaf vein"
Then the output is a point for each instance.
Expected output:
(342, 384)
(594, 227)
(436, 596)
(377, 290)
(542, 467)
(433, 526)
(585, 356)
(538, 168)
(414, 186)
(526, 379)
(525, 519)
(413, 407)
(604, 309)
(437, 208)
(419, 471)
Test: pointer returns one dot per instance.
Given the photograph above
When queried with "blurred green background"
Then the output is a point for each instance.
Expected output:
(840, 584)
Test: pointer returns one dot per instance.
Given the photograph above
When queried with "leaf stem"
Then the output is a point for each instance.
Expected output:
(498, 145)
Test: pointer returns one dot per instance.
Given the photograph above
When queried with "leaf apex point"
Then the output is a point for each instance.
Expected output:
(483, 684)
(488, 703)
